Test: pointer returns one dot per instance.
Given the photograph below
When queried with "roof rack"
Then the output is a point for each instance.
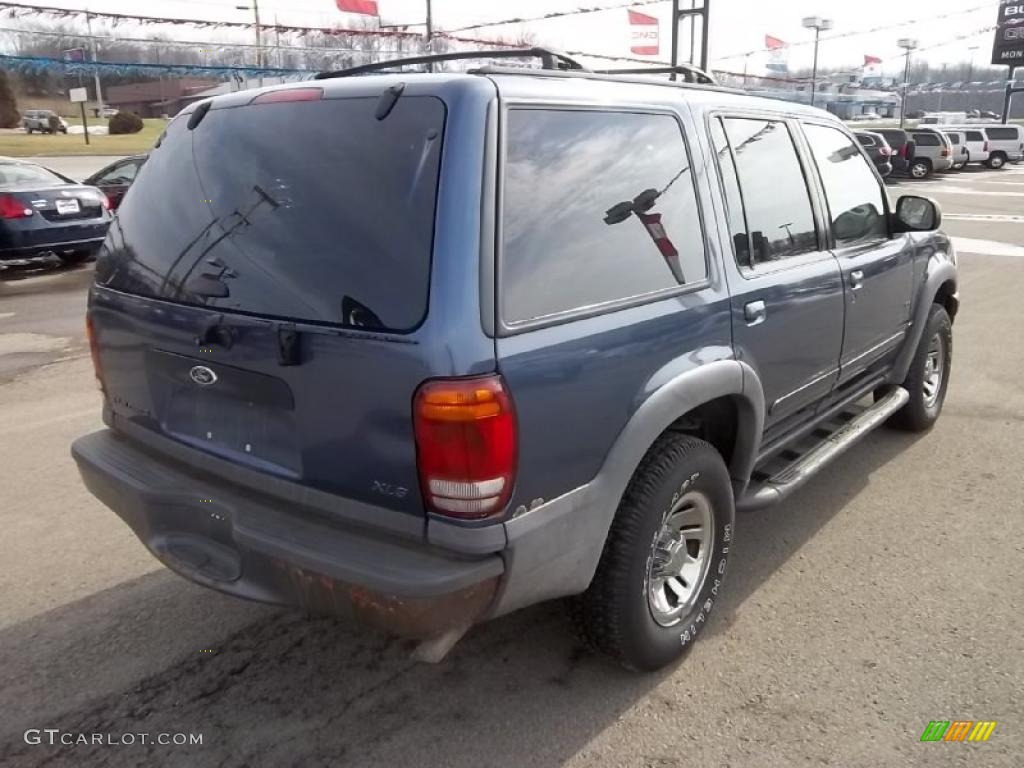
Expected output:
(690, 73)
(550, 59)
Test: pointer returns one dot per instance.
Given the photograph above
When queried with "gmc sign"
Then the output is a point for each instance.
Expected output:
(1008, 45)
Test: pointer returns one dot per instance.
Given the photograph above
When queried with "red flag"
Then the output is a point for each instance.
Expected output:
(644, 34)
(369, 7)
(773, 43)
(869, 60)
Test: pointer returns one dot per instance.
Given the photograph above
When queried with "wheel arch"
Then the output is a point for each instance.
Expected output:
(554, 549)
(939, 285)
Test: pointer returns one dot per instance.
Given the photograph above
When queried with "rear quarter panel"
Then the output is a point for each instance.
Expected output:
(577, 383)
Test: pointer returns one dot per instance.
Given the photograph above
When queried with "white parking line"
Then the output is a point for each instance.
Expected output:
(5, 315)
(1001, 218)
(986, 247)
(958, 191)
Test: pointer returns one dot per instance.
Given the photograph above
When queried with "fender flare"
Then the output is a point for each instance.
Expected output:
(677, 397)
(554, 548)
(939, 272)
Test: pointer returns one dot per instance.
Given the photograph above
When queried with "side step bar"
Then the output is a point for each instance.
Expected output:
(783, 483)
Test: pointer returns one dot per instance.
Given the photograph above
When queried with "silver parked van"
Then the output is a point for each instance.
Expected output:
(932, 153)
(1005, 142)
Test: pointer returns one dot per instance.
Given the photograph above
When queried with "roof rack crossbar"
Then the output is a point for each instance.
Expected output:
(690, 73)
(550, 59)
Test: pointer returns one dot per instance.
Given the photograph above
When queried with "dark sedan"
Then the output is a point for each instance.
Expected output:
(878, 150)
(44, 214)
(115, 178)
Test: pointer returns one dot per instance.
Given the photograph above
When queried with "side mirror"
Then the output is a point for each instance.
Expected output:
(916, 214)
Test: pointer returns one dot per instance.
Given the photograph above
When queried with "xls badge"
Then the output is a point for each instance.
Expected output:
(202, 376)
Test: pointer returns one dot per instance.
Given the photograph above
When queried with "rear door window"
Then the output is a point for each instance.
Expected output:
(926, 139)
(975, 136)
(309, 210)
(775, 195)
(598, 207)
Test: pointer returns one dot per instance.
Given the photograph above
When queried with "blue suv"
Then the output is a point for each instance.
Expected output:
(425, 349)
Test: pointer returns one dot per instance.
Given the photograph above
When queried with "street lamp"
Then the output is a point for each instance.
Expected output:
(908, 44)
(970, 76)
(255, 8)
(817, 24)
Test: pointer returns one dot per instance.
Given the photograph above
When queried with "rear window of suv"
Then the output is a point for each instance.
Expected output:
(307, 210)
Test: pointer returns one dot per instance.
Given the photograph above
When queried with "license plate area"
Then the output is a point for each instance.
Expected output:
(67, 207)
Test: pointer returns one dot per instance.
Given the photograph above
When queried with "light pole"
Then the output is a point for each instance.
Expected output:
(970, 76)
(908, 44)
(817, 24)
(96, 72)
(259, 35)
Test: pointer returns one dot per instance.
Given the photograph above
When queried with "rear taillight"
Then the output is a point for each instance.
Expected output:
(104, 201)
(466, 445)
(94, 352)
(12, 208)
(984, 147)
(904, 149)
(944, 152)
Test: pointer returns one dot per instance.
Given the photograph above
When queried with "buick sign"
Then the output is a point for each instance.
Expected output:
(1008, 45)
(202, 376)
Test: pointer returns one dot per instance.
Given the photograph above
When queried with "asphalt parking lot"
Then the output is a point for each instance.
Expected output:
(887, 593)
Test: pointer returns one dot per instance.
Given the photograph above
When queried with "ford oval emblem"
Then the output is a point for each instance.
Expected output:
(202, 376)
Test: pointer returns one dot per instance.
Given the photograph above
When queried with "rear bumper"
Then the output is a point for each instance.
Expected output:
(30, 251)
(232, 540)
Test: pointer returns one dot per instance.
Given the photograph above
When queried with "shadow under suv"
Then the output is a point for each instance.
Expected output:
(428, 348)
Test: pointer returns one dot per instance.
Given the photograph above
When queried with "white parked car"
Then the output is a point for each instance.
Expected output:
(977, 145)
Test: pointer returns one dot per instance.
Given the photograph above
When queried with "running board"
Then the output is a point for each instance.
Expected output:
(774, 489)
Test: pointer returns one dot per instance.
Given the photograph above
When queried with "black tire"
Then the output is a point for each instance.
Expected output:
(921, 411)
(919, 169)
(996, 161)
(615, 616)
(75, 257)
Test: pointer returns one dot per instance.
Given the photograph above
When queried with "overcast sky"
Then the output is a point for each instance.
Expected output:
(737, 25)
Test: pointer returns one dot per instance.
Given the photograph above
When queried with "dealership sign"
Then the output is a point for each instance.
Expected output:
(644, 33)
(1008, 46)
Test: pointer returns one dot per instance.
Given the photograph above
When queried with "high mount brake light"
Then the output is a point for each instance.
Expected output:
(289, 94)
(466, 445)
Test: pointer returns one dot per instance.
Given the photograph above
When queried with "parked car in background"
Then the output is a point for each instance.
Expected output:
(44, 214)
(958, 142)
(902, 146)
(878, 150)
(977, 145)
(379, 398)
(115, 179)
(43, 121)
(1005, 142)
(932, 153)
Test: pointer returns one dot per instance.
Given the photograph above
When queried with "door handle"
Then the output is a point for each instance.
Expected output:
(754, 312)
(856, 280)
